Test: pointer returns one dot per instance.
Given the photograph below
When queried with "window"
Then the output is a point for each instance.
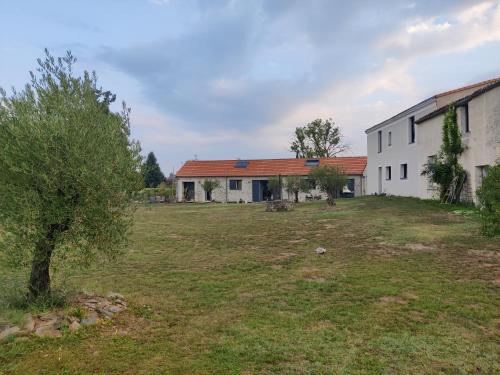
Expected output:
(379, 135)
(241, 164)
(464, 118)
(389, 139)
(411, 129)
(388, 173)
(404, 171)
(234, 184)
(311, 163)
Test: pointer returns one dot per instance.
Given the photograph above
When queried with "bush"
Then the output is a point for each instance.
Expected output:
(489, 197)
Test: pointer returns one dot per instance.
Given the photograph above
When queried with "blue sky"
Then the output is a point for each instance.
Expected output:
(232, 79)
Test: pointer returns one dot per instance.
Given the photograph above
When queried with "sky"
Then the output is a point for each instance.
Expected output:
(227, 79)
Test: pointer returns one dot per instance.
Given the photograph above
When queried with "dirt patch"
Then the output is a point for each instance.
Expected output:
(393, 299)
(284, 256)
(298, 241)
(416, 247)
(489, 254)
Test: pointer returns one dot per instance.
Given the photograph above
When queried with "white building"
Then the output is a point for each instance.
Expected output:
(246, 180)
(399, 147)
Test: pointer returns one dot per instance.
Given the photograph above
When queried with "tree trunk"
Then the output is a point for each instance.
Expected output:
(296, 197)
(39, 283)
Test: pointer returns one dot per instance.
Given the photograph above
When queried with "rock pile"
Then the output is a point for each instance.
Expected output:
(87, 310)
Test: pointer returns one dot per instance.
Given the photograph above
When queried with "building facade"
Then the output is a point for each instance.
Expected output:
(247, 180)
(399, 147)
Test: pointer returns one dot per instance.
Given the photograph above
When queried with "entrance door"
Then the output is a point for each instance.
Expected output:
(188, 191)
(256, 191)
(380, 180)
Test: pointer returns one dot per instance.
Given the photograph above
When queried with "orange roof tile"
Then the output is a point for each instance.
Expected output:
(351, 165)
(478, 84)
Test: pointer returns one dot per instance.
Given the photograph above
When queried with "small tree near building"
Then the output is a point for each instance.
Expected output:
(296, 184)
(274, 187)
(67, 172)
(209, 186)
(330, 180)
(445, 170)
(489, 198)
(153, 176)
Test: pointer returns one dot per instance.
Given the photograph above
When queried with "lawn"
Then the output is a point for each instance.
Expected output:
(405, 287)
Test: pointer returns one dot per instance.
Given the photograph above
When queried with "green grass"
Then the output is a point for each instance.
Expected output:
(406, 287)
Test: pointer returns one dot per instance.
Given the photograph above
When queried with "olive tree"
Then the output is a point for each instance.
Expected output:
(330, 180)
(209, 186)
(67, 171)
(296, 184)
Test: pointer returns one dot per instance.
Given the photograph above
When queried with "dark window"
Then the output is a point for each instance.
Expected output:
(389, 139)
(241, 164)
(404, 171)
(311, 162)
(234, 184)
(411, 129)
(388, 173)
(465, 119)
(379, 135)
(312, 184)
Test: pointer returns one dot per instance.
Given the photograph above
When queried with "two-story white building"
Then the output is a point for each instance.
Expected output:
(399, 147)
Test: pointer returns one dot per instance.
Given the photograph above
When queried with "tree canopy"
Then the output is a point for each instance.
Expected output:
(67, 169)
(318, 139)
(153, 176)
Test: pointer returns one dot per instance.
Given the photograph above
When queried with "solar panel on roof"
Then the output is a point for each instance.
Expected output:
(241, 164)
(311, 162)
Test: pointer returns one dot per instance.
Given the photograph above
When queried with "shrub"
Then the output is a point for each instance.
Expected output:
(489, 197)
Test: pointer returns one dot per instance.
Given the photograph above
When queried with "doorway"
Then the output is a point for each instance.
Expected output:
(188, 191)
(260, 191)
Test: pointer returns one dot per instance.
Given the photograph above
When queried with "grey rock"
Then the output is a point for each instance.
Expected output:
(320, 250)
(48, 331)
(113, 295)
(91, 319)
(8, 332)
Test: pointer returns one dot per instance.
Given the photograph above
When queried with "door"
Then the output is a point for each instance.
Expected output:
(256, 191)
(380, 180)
(188, 191)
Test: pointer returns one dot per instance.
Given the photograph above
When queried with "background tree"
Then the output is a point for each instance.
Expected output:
(209, 186)
(153, 176)
(296, 184)
(67, 170)
(489, 197)
(445, 170)
(318, 139)
(330, 180)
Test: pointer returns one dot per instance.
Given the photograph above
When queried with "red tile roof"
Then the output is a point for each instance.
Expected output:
(483, 83)
(351, 165)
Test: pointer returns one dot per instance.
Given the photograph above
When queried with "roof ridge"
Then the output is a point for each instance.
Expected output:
(463, 88)
(271, 159)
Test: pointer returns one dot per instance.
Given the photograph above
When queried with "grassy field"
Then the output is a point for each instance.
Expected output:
(406, 287)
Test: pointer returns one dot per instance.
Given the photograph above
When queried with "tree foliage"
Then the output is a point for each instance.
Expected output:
(330, 180)
(67, 170)
(209, 185)
(274, 186)
(153, 176)
(489, 198)
(296, 184)
(445, 170)
(318, 139)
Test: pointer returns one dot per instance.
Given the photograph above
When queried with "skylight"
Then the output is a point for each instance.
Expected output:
(241, 164)
(311, 162)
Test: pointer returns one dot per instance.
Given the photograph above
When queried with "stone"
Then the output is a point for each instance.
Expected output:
(91, 319)
(115, 308)
(48, 331)
(320, 250)
(29, 323)
(113, 295)
(8, 332)
(75, 326)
